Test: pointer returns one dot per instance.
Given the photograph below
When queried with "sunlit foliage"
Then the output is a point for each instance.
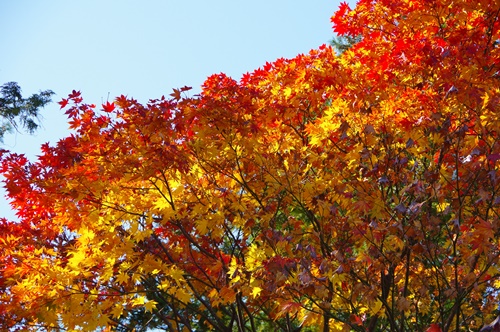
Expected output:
(351, 192)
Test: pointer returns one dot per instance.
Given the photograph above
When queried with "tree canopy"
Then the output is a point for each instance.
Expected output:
(16, 111)
(351, 192)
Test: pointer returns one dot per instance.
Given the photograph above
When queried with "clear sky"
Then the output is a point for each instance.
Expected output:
(143, 49)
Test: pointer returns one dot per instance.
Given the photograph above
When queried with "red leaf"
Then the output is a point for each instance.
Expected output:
(339, 19)
(108, 107)
(434, 328)
(176, 94)
(356, 320)
(74, 94)
(63, 103)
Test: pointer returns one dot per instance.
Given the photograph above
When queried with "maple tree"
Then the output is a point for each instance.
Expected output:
(352, 192)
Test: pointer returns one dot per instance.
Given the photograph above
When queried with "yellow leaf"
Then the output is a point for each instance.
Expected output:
(140, 300)
(394, 242)
(150, 305)
(182, 295)
(164, 285)
(213, 293)
(202, 226)
(86, 236)
(117, 311)
(486, 99)
(442, 206)
(77, 258)
(122, 278)
(177, 275)
(376, 306)
(287, 92)
(256, 291)
(232, 267)
(235, 280)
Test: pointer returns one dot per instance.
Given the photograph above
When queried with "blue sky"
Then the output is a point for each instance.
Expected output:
(143, 49)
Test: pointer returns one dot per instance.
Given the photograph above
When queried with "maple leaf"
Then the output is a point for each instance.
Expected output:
(139, 300)
(256, 291)
(63, 103)
(176, 94)
(150, 306)
(122, 278)
(108, 107)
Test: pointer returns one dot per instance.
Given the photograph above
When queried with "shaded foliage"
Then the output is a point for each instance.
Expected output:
(17, 112)
(343, 43)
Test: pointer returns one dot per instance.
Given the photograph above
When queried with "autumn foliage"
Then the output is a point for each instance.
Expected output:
(352, 192)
